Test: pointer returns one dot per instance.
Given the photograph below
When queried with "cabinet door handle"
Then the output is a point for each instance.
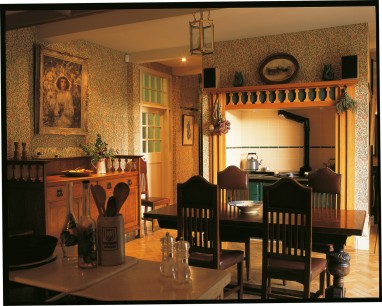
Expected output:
(108, 185)
(129, 182)
(59, 193)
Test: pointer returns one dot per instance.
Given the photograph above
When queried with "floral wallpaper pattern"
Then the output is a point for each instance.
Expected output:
(107, 90)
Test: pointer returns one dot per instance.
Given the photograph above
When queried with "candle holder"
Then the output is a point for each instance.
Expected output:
(24, 151)
(16, 153)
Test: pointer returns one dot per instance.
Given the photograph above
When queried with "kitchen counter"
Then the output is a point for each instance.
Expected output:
(273, 178)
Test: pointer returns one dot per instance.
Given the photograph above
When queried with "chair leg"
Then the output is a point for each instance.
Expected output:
(307, 290)
(248, 258)
(327, 278)
(376, 239)
(327, 272)
(322, 283)
(240, 280)
(146, 210)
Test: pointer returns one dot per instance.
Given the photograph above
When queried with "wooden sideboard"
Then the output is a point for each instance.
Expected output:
(36, 193)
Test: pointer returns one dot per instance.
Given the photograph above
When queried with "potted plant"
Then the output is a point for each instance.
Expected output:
(99, 152)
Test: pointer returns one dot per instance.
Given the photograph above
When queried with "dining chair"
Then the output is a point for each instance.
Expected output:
(198, 223)
(233, 186)
(287, 239)
(148, 201)
(326, 186)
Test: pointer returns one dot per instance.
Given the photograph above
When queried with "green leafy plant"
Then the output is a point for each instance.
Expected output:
(99, 149)
(346, 102)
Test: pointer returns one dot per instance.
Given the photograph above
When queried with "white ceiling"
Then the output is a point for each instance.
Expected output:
(162, 35)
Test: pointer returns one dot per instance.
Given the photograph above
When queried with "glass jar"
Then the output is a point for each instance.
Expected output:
(167, 264)
(87, 248)
(181, 272)
(69, 234)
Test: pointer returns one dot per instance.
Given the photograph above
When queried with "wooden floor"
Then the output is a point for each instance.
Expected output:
(362, 282)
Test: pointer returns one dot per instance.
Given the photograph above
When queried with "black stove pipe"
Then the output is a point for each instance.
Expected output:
(305, 122)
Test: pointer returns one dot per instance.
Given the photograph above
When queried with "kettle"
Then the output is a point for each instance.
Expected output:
(252, 163)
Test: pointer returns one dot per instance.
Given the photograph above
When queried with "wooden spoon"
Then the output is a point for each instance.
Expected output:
(111, 208)
(99, 195)
(121, 192)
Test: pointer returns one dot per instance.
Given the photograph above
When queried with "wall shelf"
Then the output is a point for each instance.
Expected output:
(281, 96)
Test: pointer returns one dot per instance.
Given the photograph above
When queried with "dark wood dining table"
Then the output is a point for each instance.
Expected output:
(328, 226)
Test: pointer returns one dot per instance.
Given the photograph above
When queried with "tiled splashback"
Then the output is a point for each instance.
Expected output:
(277, 141)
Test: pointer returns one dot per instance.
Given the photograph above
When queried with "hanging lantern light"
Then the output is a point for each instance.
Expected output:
(201, 34)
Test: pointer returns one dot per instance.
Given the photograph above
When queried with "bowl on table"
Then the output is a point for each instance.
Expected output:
(247, 207)
(27, 249)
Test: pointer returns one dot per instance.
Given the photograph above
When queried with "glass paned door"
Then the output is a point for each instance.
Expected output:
(151, 132)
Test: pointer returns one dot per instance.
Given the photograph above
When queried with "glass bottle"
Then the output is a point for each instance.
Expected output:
(181, 272)
(69, 235)
(87, 248)
(167, 264)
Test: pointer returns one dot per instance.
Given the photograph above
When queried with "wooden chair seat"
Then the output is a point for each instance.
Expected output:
(155, 202)
(294, 270)
(228, 258)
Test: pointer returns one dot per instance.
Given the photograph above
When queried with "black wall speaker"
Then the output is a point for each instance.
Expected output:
(350, 67)
(211, 78)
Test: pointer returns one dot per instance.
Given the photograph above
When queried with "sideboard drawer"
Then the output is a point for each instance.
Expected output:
(132, 181)
(56, 193)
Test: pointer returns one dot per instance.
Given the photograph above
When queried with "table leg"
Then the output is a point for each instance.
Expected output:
(339, 267)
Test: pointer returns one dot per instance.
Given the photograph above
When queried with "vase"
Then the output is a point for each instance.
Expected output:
(100, 166)
(328, 74)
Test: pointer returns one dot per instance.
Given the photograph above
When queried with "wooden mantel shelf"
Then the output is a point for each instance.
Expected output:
(292, 95)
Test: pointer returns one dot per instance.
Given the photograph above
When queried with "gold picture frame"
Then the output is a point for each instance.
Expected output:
(61, 85)
(188, 130)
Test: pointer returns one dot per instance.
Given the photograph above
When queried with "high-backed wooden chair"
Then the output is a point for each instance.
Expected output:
(198, 223)
(287, 240)
(233, 186)
(148, 201)
(326, 186)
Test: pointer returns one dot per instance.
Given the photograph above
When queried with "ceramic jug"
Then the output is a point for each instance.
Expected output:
(100, 166)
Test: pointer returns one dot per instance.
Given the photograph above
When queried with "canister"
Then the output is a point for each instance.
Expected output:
(111, 240)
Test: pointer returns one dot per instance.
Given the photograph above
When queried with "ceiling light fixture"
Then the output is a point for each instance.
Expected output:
(201, 34)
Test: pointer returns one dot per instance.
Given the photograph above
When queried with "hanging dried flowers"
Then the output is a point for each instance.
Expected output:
(220, 125)
(346, 102)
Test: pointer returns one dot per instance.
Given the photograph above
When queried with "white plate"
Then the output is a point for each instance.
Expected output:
(247, 207)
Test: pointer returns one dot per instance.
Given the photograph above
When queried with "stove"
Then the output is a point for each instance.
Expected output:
(260, 173)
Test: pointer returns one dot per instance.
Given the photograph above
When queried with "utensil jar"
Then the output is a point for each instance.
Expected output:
(111, 240)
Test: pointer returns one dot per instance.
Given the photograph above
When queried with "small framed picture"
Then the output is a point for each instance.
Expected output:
(279, 68)
(188, 130)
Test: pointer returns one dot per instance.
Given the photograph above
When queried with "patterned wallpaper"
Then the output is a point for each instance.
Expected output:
(107, 90)
(114, 91)
(312, 49)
